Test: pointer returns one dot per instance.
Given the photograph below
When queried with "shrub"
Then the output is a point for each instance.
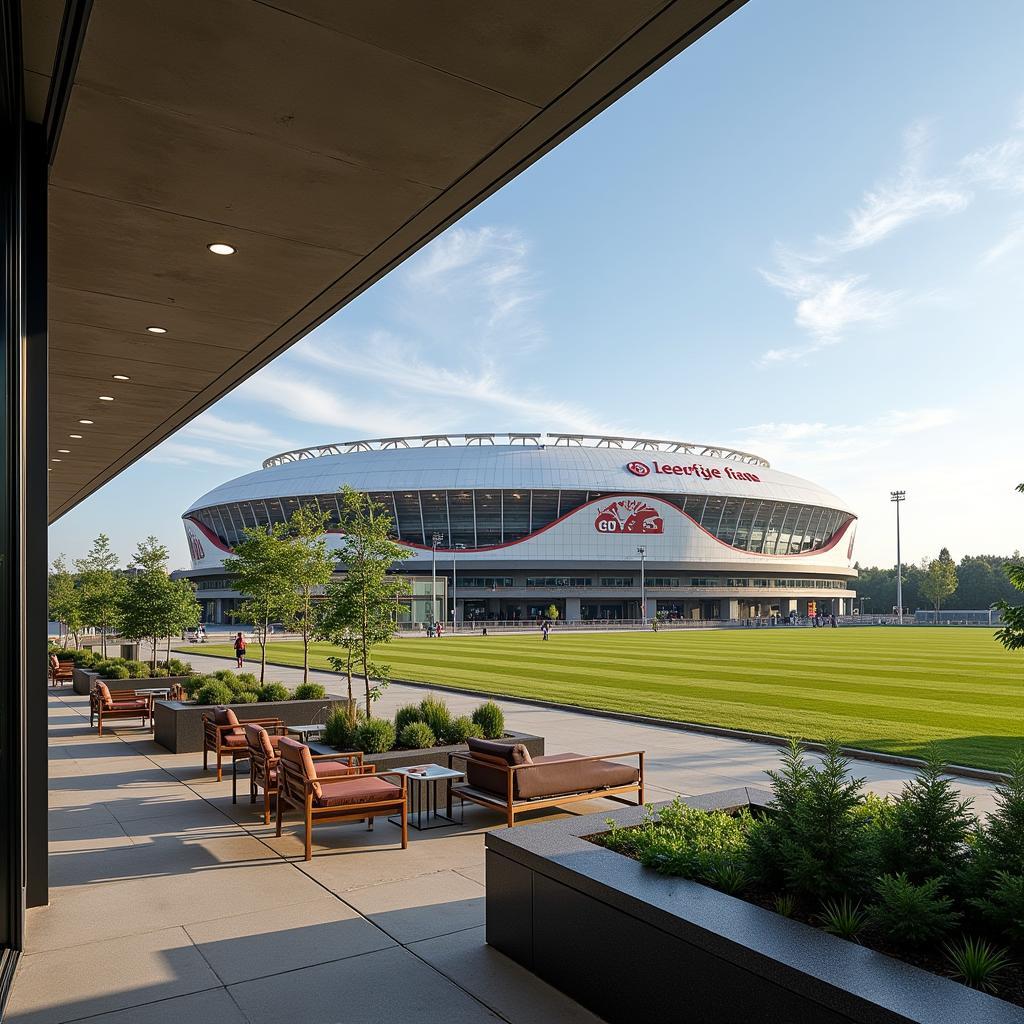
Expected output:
(845, 918)
(977, 964)
(245, 697)
(926, 836)
(784, 905)
(491, 720)
(375, 736)
(1002, 906)
(309, 691)
(814, 845)
(160, 673)
(684, 841)
(213, 691)
(909, 914)
(341, 727)
(1001, 842)
(177, 667)
(461, 729)
(415, 735)
(434, 711)
(137, 669)
(192, 684)
(249, 679)
(112, 671)
(274, 691)
(406, 714)
(225, 675)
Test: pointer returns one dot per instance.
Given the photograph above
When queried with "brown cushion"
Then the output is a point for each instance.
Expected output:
(104, 691)
(486, 768)
(510, 753)
(357, 790)
(229, 739)
(126, 705)
(258, 740)
(225, 716)
(298, 755)
(560, 775)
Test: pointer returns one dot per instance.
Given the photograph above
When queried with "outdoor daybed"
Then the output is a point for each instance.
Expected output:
(505, 777)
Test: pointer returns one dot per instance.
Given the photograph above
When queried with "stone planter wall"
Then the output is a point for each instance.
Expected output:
(630, 944)
(85, 678)
(179, 724)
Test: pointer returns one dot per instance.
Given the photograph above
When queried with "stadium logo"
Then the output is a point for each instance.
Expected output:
(195, 547)
(629, 515)
(638, 468)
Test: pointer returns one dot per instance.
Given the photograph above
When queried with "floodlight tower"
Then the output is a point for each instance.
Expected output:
(456, 548)
(435, 540)
(642, 552)
(898, 497)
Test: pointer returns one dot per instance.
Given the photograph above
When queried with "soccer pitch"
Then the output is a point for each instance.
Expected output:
(886, 689)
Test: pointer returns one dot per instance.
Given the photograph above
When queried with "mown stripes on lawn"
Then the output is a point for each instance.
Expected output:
(883, 688)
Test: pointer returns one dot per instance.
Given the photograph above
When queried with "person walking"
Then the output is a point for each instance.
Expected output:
(239, 651)
(545, 627)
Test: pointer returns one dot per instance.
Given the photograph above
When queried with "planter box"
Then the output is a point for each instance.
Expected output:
(628, 943)
(179, 724)
(85, 678)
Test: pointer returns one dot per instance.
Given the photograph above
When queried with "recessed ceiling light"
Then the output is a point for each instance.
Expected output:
(221, 248)
(64, 451)
(121, 376)
(106, 398)
(86, 422)
(77, 437)
(55, 460)
(157, 330)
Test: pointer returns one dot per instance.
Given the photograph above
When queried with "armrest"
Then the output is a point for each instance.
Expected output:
(577, 760)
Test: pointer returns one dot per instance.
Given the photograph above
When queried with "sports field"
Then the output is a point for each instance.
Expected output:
(882, 688)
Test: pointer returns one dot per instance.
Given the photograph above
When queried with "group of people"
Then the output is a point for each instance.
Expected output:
(435, 628)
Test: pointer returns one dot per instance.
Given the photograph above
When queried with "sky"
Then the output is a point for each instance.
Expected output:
(803, 237)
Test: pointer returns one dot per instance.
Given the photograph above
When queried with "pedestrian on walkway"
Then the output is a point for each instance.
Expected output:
(545, 627)
(239, 651)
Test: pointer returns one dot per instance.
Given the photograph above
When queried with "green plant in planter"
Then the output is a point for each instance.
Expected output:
(249, 679)
(192, 685)
(309, 691)
(177, 667)
(784, 904)
(491, 720)
(137, 669)
(977, 963)
(1001, 842)
(375, 736)
(341, 727)
(415, 735)
(461, 729)
(1002, 906)
(225, 675)
(213, 692)
(274, 691)
(844, 917)
(912, 915)
(406, 714)
(112, 671)
(434, 711)
(245, 697)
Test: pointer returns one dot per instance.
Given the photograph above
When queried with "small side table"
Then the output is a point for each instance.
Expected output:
(306, 732)
(154, 693)
(422, 782)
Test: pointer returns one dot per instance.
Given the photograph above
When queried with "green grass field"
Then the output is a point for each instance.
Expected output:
(882, 688)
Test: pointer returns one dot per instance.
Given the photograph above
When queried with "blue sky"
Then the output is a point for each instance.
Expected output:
(803, 237)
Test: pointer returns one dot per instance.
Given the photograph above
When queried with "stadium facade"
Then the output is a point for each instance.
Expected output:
(515, 523)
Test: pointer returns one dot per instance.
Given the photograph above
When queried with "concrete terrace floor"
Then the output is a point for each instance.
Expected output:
(168, 903)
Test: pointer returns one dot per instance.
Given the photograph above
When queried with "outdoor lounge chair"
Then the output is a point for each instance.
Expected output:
(224, 736)
(503, 776)
(63, 673)
(128, 704)
(359, 795)
(263, 757)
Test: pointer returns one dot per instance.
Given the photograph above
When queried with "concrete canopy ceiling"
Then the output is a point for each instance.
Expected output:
(325, 140)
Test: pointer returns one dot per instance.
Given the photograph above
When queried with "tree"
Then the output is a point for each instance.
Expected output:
(185, 609)
(1011, 636)
(259, 571)
(153, 603)
(102, 588)
(939, 579)
(65, 599)
(307, 566)
(358, 612)
(552, 612)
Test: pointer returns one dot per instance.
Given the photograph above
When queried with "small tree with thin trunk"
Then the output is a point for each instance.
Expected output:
(65, 600)
(1011, 635)
(185, 610)
(259, 572)
(102, 588)
(152, 601)
(358, 613)
(939, 580)
(308, 566)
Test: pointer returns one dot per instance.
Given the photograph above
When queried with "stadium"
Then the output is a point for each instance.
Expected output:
(501, 527)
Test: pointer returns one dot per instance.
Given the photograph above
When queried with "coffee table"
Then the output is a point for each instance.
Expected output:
(422, 784)
(306, 732)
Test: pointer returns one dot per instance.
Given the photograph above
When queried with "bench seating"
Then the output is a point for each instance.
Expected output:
(505, 777)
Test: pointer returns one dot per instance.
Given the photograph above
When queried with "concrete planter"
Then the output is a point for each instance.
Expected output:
(628, 943)
(85, 679)
(179, 724)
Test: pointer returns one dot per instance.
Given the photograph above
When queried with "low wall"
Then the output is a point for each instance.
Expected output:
(179, 724)
(631, 944)
(85, 678)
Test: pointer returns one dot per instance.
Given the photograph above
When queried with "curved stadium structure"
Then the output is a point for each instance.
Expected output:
(515, 523)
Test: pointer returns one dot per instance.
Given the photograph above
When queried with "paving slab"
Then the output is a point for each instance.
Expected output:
(213, 1006)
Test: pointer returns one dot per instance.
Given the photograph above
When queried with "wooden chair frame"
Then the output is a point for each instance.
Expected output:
(213, 740)
(260, 767)
(63, 673)
(97, 712)
(295, 790)
(511, 806)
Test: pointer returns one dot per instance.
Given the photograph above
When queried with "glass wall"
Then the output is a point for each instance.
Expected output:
(482, 518)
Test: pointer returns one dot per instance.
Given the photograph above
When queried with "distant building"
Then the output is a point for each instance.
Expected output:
(532, 520)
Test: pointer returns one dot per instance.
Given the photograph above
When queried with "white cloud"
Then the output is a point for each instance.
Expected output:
(210, 426)
(181, 453)
(1011, 241)
(1000, 166)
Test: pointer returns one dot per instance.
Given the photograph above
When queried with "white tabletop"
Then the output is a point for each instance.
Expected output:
(428, 772)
